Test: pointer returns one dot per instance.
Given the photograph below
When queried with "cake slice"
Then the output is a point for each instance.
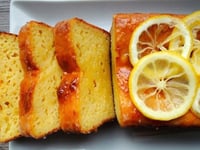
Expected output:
(39, 103)
(85, 92)
(127, 114)
(11, 74)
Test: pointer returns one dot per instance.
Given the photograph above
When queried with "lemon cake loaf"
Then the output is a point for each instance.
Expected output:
(11, 74)
(39, 103)
(127, 114)
(85, 92)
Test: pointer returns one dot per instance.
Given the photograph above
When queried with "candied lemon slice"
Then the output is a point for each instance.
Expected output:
(163, 85)
(193, 22)
(156, 33)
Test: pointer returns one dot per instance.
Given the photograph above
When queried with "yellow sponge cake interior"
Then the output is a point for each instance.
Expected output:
(11, 74)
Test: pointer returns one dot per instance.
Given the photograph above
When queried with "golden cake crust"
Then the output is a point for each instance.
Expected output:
(69, 102)
(68, 89)
(25, 47)
(26, 101)
(64, 52)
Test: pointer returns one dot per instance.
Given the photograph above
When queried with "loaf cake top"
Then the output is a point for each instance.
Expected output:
(127, 114)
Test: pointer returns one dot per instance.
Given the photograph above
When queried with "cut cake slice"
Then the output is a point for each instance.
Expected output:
(85, 92)
(39, 103)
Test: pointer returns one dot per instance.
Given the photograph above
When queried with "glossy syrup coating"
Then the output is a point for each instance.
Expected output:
(127, 113)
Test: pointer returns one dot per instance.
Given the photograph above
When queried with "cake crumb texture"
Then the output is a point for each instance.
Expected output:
(11, 74)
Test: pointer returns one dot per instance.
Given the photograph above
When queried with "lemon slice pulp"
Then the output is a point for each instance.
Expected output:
(156, 33)
(163, 85)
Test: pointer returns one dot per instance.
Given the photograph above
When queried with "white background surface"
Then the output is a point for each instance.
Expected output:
(109, 136)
